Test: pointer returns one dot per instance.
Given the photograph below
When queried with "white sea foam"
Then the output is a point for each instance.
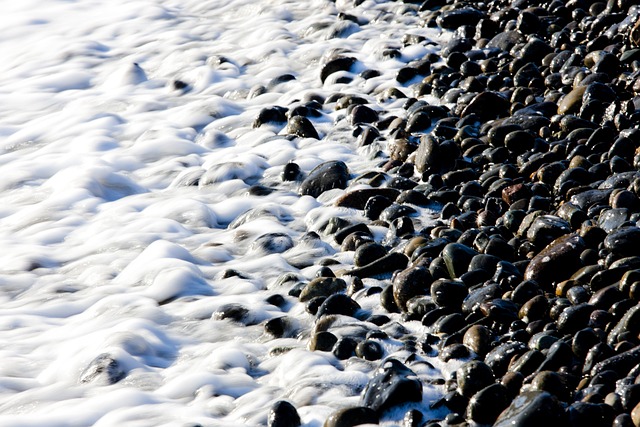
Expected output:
(124, 200)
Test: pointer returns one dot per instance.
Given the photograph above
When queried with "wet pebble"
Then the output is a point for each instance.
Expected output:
(392, 384)
(326, 176)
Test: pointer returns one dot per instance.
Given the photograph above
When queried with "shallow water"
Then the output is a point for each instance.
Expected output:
(107, 248)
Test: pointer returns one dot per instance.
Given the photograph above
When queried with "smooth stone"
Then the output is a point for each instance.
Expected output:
(322, 341)
(623, 242)
(350, 417)
(362, 114)
(369, 350)
(357, 199)
(534, 50)
(571, 102)
(487, 106)
(473, 376)
(324, 177)
(611, 219)
(367, 253)
(453, 19)
(382, 266)
(448, 293)
(410, 283)
(375, 206)
(457, 258)
(275, 114)
(342, 63)
(574, 318)
(478, 338)
(584, 200)
(477, 296)
(486, 405)
(387, 300)
(322, 287)
(280, 327)
(635, 415)
(232, 311)
(629, 323)
(547, 228)
(344, 348)
(412, 418)
(338, 304)
(528, 363)
(505, 40)
(620, 363)
(500, 310)
(435, 156)
(553, 383)
(449, 324)
(283, 414)
(533, 408)
(556, 262)
(499, 357)
(272, 243)
(104, 369)
(392, 384)
(302, 127)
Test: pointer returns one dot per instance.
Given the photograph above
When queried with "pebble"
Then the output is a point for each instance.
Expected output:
(324, 177)
(410, 283)
(533, 408)
(283, 414)
(322, 286)
(104, 369)
(392, 384)
(349, 417)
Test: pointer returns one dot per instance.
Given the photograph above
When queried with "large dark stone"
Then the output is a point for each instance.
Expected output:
(392, 384)
(341, 63)
(325, 176)
(349, 417)
(283, 414)
(556, 262)
(624, 242)
(505, 40)
(357, 199)
(487, 106)
(302, 127)
(486, 405)
(322, 287)
(457, 258)
(453, 19)
(410, 283)
(533, 409)
(382, 266)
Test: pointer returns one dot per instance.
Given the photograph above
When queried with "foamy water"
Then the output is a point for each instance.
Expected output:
(106, 248)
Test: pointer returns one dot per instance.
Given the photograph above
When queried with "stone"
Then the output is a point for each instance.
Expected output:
(392, 384)
(473, 376)
(302, 127)
(283, 414)
(322, 286)
(557, 262)
(533, 408)
(342, 63)
(409, 283)
(324, 177)
(350, 417)
(103, 369)
(486, 405)
(357, 199)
